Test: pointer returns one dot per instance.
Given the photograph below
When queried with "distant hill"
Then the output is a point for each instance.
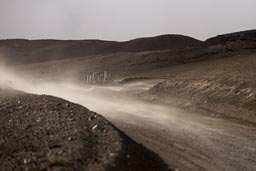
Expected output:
(249, 35)
(160, 43)
(20, 51)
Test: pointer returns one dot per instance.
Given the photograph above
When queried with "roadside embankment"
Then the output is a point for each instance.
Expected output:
(44, 133)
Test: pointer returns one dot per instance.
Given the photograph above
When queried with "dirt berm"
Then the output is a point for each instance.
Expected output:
(44, 133)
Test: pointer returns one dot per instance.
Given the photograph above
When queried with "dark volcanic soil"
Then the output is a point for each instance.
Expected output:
(44, 133)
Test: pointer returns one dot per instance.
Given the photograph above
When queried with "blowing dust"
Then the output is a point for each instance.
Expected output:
(106, 101)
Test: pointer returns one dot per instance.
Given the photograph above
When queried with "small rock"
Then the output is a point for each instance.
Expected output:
(94, 127)
(153, 99)
(92, 117)
(71, 119)
(38, 120)
(26, 161)
(98, 128)
(112, 154)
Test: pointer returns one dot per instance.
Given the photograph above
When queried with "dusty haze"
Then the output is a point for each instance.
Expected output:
(123, 20)
(103, 100)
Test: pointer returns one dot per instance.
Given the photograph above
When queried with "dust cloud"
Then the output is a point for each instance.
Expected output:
(110, 101)
(97, 98)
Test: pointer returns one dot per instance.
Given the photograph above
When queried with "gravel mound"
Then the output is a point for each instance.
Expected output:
(44, 133)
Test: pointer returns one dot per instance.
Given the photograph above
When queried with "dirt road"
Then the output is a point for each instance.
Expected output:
(186, 141)
(195, 143)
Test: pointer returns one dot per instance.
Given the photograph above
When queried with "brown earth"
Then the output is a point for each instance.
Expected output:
(216, 79)
(40, 133)
(222, 88)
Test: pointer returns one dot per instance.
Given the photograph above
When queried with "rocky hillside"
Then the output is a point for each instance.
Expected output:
(44, 133)
(249, 35)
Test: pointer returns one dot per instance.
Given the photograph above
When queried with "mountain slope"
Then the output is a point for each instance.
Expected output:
(20, 51)
(249, 35)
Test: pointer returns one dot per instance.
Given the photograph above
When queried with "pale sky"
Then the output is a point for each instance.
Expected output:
(123, 19)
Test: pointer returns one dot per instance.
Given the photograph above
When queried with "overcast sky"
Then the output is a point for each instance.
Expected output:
(123, 19)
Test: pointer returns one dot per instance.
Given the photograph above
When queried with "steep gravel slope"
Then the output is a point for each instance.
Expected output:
(43, 133)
